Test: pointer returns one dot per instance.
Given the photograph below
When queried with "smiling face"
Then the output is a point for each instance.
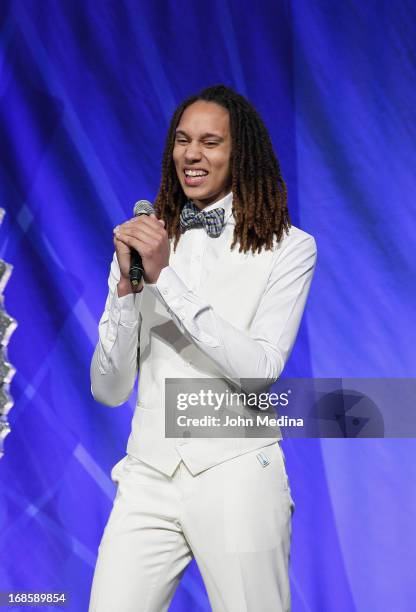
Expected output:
(202, 152)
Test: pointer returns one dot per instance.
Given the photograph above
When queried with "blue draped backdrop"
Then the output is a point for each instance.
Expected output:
(87, 89)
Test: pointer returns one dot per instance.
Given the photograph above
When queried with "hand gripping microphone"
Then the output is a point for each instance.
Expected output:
(142, 207)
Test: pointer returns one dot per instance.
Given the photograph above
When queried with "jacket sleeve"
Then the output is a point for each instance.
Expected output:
(114, 364)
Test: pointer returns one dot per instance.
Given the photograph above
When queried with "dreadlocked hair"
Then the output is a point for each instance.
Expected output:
(259, 191)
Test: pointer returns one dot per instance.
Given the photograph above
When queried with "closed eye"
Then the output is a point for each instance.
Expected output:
(210, 143)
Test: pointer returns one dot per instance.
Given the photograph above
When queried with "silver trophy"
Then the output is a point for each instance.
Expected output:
(7, 371)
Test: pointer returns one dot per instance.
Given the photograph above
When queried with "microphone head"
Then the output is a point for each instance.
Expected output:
(143, 207)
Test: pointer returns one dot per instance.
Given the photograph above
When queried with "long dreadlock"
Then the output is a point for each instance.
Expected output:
(259, 191)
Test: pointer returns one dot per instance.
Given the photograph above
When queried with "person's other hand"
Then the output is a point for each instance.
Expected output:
(147, 235)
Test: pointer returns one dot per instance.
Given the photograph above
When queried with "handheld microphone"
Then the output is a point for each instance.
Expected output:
(142, 207)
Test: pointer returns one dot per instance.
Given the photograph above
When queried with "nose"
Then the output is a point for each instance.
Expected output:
(192, 152)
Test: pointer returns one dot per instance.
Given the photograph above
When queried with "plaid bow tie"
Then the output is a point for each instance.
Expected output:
(211, 220)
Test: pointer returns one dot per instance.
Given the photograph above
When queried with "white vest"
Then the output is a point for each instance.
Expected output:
(234, 289)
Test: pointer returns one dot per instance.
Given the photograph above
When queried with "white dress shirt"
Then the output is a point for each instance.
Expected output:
(261, 353)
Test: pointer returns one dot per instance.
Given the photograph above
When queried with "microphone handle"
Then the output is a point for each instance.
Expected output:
(136, 268)
(142, 207)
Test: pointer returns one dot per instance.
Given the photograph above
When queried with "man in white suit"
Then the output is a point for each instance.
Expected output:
(226, 277)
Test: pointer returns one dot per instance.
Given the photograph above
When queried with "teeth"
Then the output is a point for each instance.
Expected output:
(195, 172)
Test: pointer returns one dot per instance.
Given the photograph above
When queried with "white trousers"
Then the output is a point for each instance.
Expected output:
(234, 519)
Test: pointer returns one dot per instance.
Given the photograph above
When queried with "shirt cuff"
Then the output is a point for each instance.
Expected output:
(191, 313)
(125, 310)
(168, 287)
